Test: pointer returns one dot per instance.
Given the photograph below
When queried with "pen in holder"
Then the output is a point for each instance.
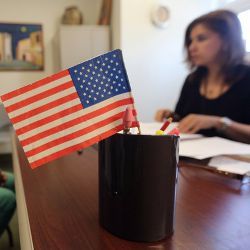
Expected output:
(137, 185)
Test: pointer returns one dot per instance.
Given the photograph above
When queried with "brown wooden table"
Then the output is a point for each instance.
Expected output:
(212, 212)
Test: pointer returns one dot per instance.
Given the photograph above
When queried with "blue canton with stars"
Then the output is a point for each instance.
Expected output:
(100, 78)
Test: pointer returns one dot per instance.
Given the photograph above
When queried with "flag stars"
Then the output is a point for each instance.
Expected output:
(100, 79)
(114, 55)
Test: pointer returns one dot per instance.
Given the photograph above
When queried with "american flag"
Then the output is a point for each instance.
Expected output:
(72, 109)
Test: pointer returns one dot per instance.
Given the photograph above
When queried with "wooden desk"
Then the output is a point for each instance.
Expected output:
(62, 208)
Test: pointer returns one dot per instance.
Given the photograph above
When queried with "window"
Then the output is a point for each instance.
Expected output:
(245, 21)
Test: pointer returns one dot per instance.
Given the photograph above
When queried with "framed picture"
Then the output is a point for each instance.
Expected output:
(21, 47)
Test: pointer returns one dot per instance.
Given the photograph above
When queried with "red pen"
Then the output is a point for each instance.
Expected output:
(166, 124)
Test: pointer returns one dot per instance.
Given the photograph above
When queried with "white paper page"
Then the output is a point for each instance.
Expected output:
(229, 165)
(151, 128)
(212, 146)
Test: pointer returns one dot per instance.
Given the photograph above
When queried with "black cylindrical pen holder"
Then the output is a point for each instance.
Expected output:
(137, 185)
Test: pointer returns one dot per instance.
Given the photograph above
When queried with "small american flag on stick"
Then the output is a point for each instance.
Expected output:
(72, 109)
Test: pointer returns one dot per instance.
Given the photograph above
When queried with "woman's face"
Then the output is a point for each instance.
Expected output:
(205, 46)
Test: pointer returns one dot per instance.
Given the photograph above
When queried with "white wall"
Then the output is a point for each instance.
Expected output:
(234, 5)
(48, 13)
(153, 56)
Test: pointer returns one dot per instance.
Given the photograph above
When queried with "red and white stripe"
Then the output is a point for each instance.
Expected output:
(50, 122)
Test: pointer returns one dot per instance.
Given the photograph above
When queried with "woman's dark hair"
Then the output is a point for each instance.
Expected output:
(227, 25)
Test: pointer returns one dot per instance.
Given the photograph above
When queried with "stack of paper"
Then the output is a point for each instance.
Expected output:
(217, 148)
(199, 147)
(212, 146)
(230, 165)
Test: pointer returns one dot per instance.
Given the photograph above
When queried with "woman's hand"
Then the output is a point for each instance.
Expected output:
(193, 123)
(162, 114)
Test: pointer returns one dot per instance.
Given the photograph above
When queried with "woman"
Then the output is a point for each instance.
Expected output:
(7, 199)
(215, 98)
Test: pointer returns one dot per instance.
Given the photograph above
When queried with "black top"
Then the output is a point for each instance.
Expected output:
(234, 103)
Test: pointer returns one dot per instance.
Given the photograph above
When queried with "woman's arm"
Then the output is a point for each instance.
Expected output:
(234, 130)
(238, 131)
(162, 114)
